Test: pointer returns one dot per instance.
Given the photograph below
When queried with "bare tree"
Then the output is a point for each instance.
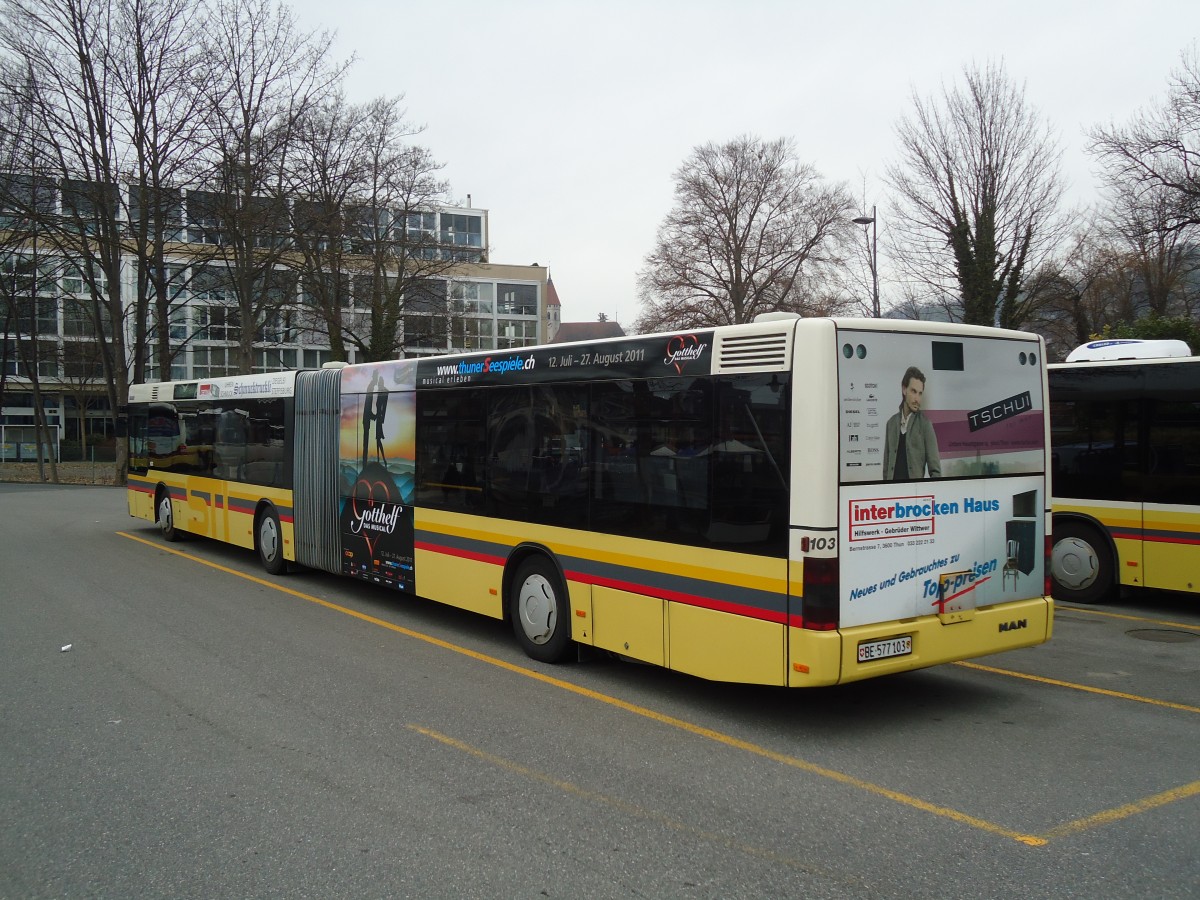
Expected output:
(978, 188)
(1160, 146)
(370, 253)
(750, 230)
(1157, 258)
(61, 48)
(161, 78)
(402, 255)
(327, 166)
(269, 74)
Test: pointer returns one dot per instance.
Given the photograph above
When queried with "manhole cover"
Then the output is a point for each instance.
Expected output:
(1163, 635)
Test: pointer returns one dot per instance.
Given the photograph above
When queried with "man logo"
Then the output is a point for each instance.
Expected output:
(1013, 626)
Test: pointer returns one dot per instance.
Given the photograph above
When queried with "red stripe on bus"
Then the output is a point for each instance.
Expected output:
(1153, 538)
(461, 554)
(631, 587)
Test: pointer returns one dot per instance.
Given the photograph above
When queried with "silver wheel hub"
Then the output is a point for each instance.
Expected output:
(268, 537)
(1074, 563)
(164, 514)
(536, 609)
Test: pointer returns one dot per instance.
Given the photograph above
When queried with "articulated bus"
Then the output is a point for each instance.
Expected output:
(792, 502)
(1125, 438)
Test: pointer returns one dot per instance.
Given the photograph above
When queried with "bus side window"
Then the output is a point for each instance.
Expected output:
(451, 449)
(651, 458)
(750, 463)
(1096, 449)
(1173, 471)
(139, 459)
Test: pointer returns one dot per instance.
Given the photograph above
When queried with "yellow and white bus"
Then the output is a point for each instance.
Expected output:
(712, 501)
(1125, 433)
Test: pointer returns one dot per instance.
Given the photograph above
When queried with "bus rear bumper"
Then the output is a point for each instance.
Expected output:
(867, 651)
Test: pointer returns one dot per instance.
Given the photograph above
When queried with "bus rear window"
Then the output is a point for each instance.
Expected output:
(947, 356)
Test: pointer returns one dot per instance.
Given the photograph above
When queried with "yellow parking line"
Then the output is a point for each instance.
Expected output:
(631, 809)
(1121, 812)
(737, 743)
(1166, 704)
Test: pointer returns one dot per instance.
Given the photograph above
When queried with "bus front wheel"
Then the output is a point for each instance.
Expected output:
(166, 516)
(269, 538)
(540, 615)
(1081, 566)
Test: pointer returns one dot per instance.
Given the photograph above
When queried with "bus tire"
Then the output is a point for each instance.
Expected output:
(164, 515)
(539, 611)
(268, 539)
(1081, 564)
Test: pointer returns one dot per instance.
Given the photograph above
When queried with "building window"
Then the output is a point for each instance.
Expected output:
(515, 333)
(462, 230)
(472, 333)
(275, 360)
(218, 323)
(74, 281)
(178, 319)
(213, 284)
(276, 328)
(421, 226)
(472, 298)
(163, 209)
(213, 362)
(23, 197)
(24, 314)
(204, 217)
(518, 299)
(79, 320)
(81, 359)
(154, 373)
(314, 359)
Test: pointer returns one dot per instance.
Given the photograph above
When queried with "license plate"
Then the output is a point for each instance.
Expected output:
(872, 650)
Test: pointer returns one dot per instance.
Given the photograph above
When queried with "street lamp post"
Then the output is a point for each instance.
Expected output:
(872, 220)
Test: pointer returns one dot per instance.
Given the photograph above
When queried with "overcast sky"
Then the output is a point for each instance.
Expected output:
(566, 120)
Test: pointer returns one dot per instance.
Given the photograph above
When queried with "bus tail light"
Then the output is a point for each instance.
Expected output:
(819, 607)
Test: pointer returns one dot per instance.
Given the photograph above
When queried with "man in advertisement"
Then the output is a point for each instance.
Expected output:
(911, 450)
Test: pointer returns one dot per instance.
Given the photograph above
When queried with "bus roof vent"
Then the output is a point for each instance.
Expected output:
(154, 393)
(757, 350)
(1128, 348)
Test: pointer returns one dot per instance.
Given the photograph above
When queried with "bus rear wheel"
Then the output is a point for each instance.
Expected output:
(1081, 566)
(269, 538)
(538, 606)
(166, 516)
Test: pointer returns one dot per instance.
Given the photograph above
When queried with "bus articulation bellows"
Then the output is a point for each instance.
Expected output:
(791, 502)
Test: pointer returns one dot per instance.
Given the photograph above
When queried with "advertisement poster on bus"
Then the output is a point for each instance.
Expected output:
(942, 461)
(377, 463)
(940, 547)
(967, 406)
(658, 356)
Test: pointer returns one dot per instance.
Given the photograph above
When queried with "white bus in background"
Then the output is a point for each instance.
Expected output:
(1125, 439)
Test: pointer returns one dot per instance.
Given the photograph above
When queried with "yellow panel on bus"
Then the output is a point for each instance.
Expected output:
(629, 624)
(721, 646)
(466, 583)
(1171, 557)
